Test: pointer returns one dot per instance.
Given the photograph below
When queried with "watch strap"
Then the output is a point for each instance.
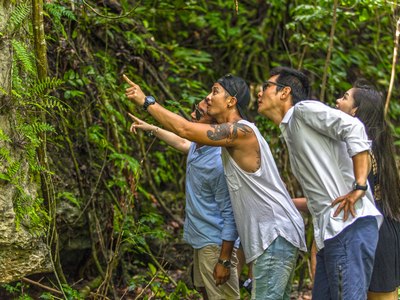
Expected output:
(225, 262)
(359, 187)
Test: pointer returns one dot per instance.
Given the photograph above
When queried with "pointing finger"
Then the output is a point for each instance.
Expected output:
(133, 117)
(127, 80)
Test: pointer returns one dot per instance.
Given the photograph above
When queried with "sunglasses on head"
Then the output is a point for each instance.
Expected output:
(268, 83)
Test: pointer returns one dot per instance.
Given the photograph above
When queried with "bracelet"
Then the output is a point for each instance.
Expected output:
(153, 132)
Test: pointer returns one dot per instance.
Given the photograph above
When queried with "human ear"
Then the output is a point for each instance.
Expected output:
(286, 91)
(232, 101)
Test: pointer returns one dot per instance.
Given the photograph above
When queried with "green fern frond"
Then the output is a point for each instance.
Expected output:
(19, 15)
(33, 129)
(18, 87)
(4, 154)
(4, 136)
(59, 11)
(24, 56)
(30, 212)
(42, 127)
(56, 12)
(42, 87)
(16, 94)
(3, 91)
(30, 153)
(13, 169)
(55, 103)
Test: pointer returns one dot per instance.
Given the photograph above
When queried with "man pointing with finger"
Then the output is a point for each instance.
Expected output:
(270, 228)
(329, 155)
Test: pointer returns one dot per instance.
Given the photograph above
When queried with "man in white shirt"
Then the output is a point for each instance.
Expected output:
(329, 155)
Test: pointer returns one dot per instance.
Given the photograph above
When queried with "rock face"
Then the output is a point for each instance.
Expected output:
(21, 253)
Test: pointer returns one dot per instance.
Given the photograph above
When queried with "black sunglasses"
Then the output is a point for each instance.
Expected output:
(199, 114)
(268, 83)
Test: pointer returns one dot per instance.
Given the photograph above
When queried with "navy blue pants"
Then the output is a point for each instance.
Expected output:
(344, 265)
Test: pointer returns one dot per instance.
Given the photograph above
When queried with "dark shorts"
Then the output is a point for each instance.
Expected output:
(344, 265)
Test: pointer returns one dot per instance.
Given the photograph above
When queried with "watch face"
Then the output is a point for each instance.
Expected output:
(148, 100)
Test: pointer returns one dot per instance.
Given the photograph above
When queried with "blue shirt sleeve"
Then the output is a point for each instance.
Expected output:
(229, 232)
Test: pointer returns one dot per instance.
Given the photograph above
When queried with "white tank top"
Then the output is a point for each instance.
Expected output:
(261, 204)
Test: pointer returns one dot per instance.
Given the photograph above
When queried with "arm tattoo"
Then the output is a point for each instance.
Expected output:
(258, 159)
(227, 131)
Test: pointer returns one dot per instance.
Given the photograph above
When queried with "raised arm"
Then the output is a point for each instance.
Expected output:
(169, 137)
(226, 134)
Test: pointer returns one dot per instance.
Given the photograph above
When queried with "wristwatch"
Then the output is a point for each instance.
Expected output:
(359, 187)
(148, 100)
(225, 262)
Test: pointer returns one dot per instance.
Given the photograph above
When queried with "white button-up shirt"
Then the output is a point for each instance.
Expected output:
(321, 141)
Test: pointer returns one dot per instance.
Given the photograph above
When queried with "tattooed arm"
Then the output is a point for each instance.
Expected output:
(239, 139)
(228, 131)
(225, 135)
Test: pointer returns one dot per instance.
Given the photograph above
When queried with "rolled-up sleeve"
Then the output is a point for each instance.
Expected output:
(335, 124)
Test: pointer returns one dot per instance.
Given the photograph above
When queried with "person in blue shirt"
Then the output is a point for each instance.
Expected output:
(209, 224)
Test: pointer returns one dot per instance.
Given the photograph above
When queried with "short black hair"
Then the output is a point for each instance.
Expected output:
(296, 80)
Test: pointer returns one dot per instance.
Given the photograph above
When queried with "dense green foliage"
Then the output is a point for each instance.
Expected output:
(125, 193)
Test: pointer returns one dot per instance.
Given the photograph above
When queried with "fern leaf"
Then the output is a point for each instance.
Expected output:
(4, 136)
(42, 87)
(19, 15)
(58, 11)
(13, 169)
(37, 127)
(4, 177)
(53, 103)
(3, 91)
(4, 154)
(24, 56)
(42, 127)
